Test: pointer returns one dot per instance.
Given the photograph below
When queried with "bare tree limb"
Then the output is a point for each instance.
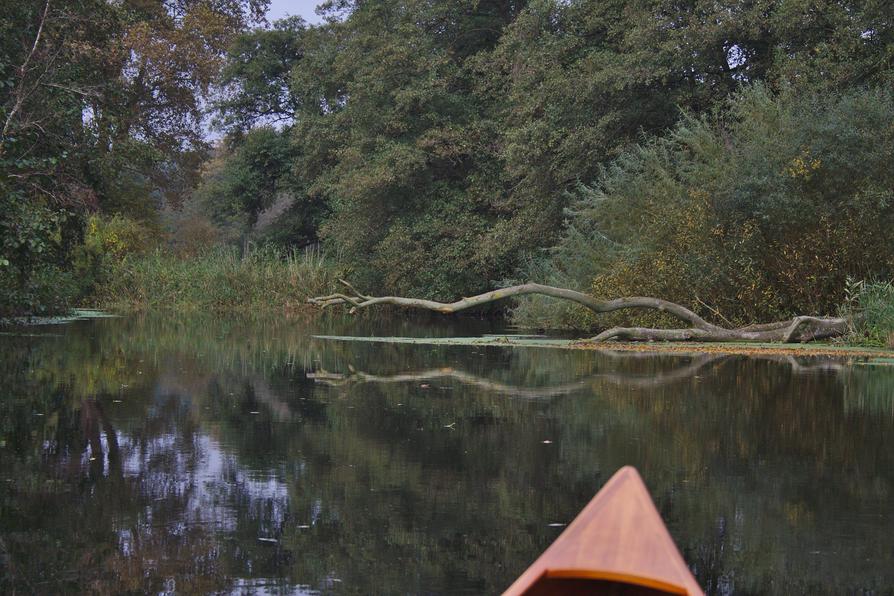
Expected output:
(80, 92)
(20, 93)
(798, 329)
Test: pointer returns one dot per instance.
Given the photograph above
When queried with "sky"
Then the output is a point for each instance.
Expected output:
(279, 9)
(302, 8)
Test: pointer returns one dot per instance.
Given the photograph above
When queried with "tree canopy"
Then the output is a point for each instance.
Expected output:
(438, 148)
(101, 107)
(446, 139)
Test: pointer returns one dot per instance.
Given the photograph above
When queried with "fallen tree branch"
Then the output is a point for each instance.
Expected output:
(797, 329)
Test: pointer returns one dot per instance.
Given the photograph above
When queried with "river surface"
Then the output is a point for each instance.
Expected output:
(195, 454)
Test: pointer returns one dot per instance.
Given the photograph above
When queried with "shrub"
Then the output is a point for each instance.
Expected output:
(191, 233)
(107, 242)
(34, 248)
(46, 290)
(759, 212)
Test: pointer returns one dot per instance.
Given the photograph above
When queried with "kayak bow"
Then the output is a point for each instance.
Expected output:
(618, 544)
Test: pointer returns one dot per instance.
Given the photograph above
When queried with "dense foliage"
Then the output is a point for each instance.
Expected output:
(444, 140)
(730, 156)
(101, 110)
(760, 210)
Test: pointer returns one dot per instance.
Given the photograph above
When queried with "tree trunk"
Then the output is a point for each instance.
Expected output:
(797, 329)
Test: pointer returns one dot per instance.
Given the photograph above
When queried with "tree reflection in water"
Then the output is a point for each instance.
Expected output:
(147, 454)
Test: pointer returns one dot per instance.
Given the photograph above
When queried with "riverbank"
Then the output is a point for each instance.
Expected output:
(745, 349)
(223, 279)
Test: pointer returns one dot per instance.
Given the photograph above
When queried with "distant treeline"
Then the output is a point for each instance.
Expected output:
(731, 156)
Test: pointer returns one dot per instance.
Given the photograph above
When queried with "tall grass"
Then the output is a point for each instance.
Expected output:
(870, 306)
(219, 279)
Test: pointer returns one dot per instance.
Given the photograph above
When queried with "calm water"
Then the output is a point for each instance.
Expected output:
(197, 454)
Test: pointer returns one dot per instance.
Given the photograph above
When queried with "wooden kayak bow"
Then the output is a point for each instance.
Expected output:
(618, 544)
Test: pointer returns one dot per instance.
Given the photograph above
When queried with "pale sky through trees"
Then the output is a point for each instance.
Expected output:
(304, 8)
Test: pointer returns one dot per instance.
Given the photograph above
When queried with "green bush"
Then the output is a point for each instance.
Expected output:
(46, 290)
(760, 212)
(108, 241)
(34, 248)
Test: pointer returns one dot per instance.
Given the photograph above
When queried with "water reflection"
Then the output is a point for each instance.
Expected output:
(193, 454)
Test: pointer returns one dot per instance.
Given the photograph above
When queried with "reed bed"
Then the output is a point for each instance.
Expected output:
(870, 306)
(222, 278)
